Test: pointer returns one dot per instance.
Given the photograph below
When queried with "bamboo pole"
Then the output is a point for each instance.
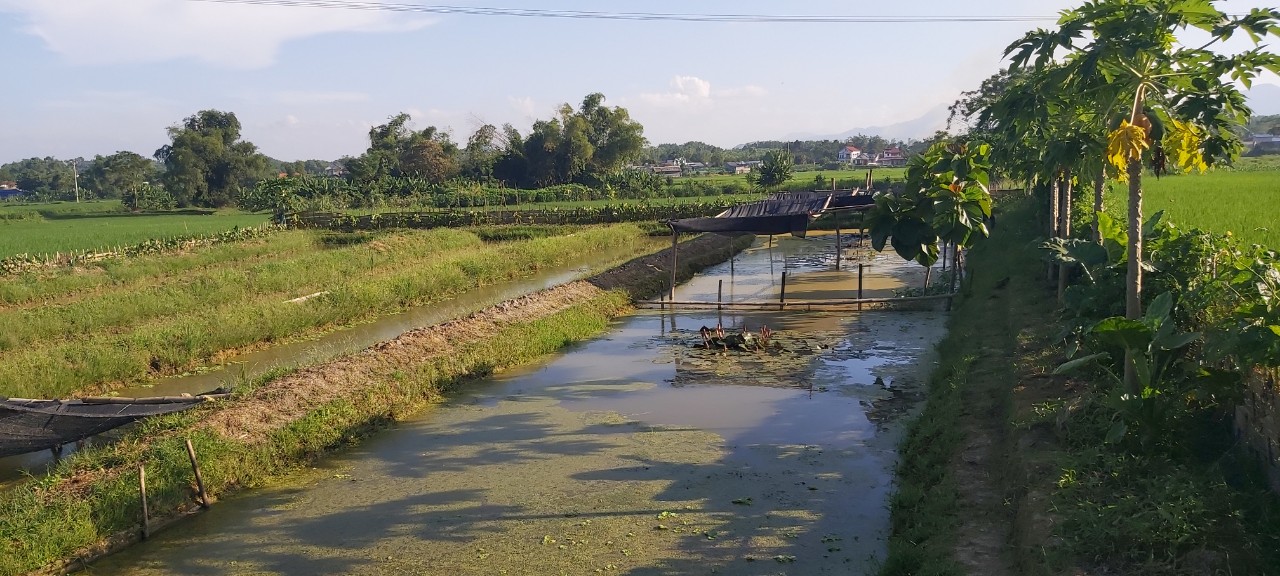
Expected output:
(837, 248)
(675, 238)
(147, 400)
(195, 468)
(794, 303)
(782, 296)
(861, 266)
(142, 490)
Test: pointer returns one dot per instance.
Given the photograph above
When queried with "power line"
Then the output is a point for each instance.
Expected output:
(630, 16)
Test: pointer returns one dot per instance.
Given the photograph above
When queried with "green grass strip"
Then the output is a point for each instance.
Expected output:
(970, 388)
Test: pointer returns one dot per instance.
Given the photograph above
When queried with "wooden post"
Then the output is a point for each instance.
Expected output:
(771, 258)
(782, 296)
(837, 248)
(142, 489)
(675, 238)
(720, 295)
(861, 266)
(731, 259)
(195, 468)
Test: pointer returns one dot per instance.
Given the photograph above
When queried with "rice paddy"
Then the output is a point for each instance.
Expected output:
(94, 327)
(1244, 201)
(67, 227)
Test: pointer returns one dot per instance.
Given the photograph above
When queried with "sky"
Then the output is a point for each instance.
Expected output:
(87, 77)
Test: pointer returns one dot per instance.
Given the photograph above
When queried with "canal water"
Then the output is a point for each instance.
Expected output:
(634, 453)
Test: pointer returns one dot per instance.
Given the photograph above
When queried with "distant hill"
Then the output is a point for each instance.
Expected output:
(1264, 99)
(917, 128)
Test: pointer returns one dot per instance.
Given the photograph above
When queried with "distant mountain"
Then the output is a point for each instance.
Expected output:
(915, 129)
(1264, 99)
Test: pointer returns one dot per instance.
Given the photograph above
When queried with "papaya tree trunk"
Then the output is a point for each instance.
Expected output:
(1054, 209)
(1133, 281)
(1064, 228)
(1098, 184)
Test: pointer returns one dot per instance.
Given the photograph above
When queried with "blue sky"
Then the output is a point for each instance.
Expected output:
(85, 77)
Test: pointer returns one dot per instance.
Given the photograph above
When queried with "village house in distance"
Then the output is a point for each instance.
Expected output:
(891, 157)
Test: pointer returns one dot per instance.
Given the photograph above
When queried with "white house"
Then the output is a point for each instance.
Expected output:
(849, 154)
(893, 156)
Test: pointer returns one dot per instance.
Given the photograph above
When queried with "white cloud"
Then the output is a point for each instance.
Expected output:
(692, 91)
(524, 105)
(686, 90)
(296, 97)
(228, 35)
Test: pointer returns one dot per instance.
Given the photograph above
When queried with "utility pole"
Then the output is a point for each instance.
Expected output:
(75, 175)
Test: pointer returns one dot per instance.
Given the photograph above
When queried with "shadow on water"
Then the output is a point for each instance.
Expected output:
(627, 454)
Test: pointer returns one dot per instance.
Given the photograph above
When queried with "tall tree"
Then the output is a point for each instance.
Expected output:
(481, 153)
(48, 178)
(1132, 47)
(397, 150)
(206, 163)
(776, 169)
(115, 175)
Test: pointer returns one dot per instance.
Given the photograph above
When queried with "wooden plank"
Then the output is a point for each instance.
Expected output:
(832, 302)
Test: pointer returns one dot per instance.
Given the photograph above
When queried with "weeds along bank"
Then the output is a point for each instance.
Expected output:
(1016, 469)
(126, 321)
(90, 503)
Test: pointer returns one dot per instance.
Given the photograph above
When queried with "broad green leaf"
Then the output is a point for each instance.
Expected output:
(1078, 363)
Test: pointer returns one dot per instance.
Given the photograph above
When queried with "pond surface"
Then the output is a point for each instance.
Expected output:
(635, 453)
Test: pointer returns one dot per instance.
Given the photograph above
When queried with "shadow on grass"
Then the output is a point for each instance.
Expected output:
(54, 215)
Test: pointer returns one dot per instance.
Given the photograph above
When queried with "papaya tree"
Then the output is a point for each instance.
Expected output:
(1133, 47)
(945, 200)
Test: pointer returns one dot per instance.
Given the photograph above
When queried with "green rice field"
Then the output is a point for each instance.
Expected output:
(67, 227)
(93, 327)
(1244, 201)
(805, 180)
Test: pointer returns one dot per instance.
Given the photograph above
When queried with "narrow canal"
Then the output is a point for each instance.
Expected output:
(635, 453)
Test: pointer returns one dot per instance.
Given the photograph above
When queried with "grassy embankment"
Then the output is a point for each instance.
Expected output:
(91, 497)
(1000, 475)
(122, 321)
(66, 227)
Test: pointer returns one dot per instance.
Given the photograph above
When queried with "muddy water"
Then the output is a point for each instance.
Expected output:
(338, 342)
(635, 453)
